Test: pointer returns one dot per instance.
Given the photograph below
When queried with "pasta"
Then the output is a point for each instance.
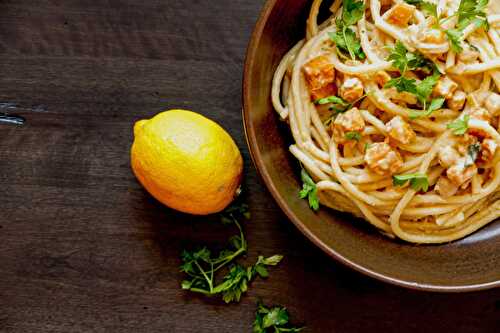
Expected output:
(394, 108)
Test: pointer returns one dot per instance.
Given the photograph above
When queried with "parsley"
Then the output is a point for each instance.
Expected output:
(469, 11)
(472, 11)
(455, 37)
(405, 60)
(429, 8)
(339, 106)
(331, 99)
(345, 38)
(201, 266)
(274, 319)
(309, 190)
(434, 105)
(356, 136)
(403, 84)
(352, 11)
(424, 88)
(472, 153)
(460, 126)
(418, 181)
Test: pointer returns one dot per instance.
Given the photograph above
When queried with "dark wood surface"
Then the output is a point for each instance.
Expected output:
(83, 248)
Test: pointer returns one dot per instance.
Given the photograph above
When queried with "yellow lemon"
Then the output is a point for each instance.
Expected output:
(186, 161)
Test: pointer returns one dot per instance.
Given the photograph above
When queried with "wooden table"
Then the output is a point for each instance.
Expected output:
(83, 248)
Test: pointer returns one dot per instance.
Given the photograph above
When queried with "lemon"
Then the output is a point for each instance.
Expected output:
(186, 161)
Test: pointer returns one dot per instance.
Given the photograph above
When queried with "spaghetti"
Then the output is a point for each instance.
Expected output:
(394, 107)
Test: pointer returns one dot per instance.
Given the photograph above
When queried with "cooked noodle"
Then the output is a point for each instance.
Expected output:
(392, 135)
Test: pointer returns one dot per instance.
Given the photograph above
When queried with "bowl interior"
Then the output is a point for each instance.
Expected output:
(469, 264)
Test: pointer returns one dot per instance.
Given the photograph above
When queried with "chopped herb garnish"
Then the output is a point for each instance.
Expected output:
(403, 84)
(273, 320)
(429, 8)
(472, 11)
(418, 181)
(309, 190)
(434, 105)
(201, 266)
(339, 106)
(455, 37)
(356, 136)
(405, 60)
(424, 88)
(460, 126)
(345, 38)
(472, 154)
(331, 99)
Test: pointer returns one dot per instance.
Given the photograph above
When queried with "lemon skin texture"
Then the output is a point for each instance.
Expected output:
(186, 161)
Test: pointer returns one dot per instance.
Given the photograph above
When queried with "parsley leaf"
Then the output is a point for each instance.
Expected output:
(460, 126)
(403, 84)
(424, 88)
(404, 60)
(429, 8)
(352, 11)
(345, 38)
(418, 181)
(472, 154)
(274, 319)
(356, 136)
(434, 105)
(331, 99)
(201, 266)
(455, 37)
(309, 190)
(472, 11)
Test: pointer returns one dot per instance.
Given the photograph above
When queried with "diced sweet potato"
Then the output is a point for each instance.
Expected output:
(401, 14)
(320, 75)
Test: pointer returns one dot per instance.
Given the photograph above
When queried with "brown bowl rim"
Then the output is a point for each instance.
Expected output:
(257, 159)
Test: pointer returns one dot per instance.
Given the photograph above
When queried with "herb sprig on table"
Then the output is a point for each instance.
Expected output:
(274, 319)
(201, 266)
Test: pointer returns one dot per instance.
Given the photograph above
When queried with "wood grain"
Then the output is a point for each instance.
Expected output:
(84, 249)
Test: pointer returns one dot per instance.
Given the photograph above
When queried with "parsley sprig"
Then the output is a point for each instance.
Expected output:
(472, 11)
(309, 190)
(455, 37)
(469, 12)
(418, 181)
(435, 104)
(427, 7)
(201, 267)
(404, 60)
(274, 319)
(460, 126)
(339, 105)
(345, 38)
